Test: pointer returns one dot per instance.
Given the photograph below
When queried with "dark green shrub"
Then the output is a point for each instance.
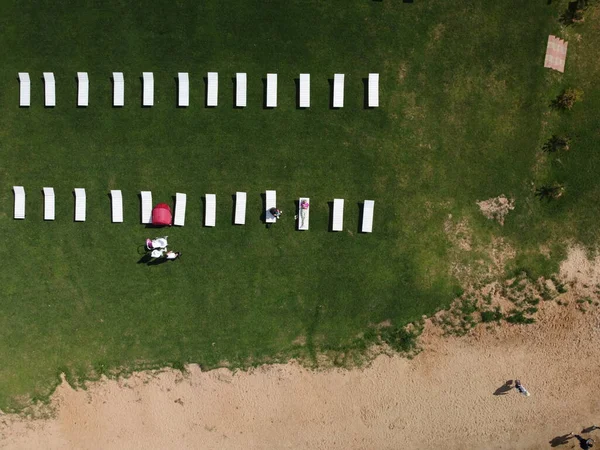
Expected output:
(401, 339)
(178, 365)
(516, 316)
(467, 308)
(575, 12)
(556, 143)
(550, 192)
(546, 294)
(491, 316)
(567, 99)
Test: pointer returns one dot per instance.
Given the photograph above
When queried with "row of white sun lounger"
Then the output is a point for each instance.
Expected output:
(80, 203)
(337, 223)
(183, 97)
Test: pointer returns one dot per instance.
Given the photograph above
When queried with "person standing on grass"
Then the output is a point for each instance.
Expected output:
(519, 387)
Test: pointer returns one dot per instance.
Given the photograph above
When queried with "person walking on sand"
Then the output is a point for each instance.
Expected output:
(585, 444)
(519, 387)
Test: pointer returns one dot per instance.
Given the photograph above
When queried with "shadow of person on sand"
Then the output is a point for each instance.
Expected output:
(505, 388)
(560, 440)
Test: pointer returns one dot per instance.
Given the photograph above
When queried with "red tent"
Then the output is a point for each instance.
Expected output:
(161, 215)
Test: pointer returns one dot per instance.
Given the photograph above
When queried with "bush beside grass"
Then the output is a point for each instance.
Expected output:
(491, 316)
(518, 317)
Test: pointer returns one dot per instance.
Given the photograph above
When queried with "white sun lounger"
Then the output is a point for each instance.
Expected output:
(210, 215)
(337, 224)
(212, 94)
(271, 90)
(146, 206)
(24, 89)
(48, 203)
(148, 97)
(240, 90)
(338, 90)
(304, 90)
(270, 202)
(119, 89)
(303, 214)
(83, 88)
(180, 203)
(49, 89)
(240, 208)
(184, 89)
(373, 100)
(79, 205)
(19, 202)
(117, 206)
(367, 222)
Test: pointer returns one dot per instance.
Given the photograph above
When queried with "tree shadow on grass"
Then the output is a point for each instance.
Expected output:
(310, 334)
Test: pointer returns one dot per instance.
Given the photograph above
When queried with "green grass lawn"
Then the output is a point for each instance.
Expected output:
(464, 111)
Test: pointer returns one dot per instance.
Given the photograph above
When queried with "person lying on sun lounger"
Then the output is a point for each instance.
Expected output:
(303, 211)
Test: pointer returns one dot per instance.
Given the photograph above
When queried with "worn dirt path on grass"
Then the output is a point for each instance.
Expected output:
(444, 398)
